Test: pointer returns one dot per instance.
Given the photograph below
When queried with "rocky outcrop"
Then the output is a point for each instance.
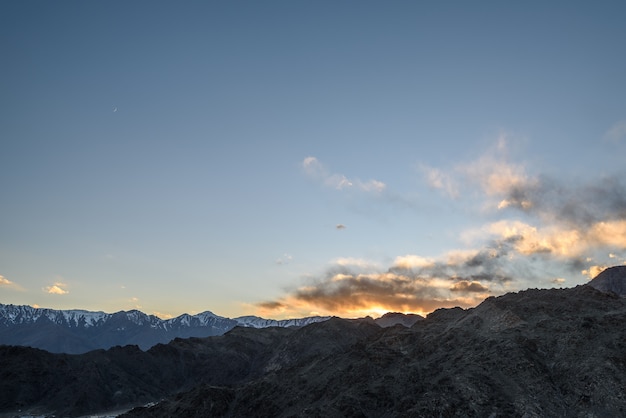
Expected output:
(612, 279)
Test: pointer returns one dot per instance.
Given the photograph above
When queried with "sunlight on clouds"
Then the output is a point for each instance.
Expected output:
(561, 241)
(467, 286)
(8, 284)
(359, 294)
(505, 203)
(4, 281)
(497, 176)
(593, 271)
(412, 261)
(609, 233)
(492, 173)
(565, 230)
(57, 288)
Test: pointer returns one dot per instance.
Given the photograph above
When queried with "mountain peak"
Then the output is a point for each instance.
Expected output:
(613, 279)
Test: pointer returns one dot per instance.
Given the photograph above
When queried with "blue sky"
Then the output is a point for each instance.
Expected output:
(289, 158)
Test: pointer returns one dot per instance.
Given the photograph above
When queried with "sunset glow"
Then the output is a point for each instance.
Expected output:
(288, 158)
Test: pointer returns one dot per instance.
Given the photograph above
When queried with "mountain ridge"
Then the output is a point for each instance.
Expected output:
(537, 352)
(76, 331)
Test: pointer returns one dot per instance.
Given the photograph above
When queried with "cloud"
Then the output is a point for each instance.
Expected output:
(492, 174)
(617, 132)
(57, 288)
(467, 286)
(499, 178)
(412, 261)
(441, 180)
(356, 262)
(162, 315)
(5, 282)
(537, 231)
(284, 259)
(135, 302)
(272, 305)
(316, 170)
(356, 287)
(580, 205)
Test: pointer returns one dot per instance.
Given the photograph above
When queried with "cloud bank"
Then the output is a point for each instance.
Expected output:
(537, 231)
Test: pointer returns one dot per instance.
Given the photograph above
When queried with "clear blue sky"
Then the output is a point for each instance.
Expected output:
(287, 158)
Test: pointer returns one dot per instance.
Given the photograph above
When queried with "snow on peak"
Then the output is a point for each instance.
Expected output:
(256, 322)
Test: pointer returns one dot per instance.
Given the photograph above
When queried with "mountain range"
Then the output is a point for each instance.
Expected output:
(79, 331)
(534, 353)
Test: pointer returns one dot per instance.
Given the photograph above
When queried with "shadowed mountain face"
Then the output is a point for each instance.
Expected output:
(611, 280)
(558, 352)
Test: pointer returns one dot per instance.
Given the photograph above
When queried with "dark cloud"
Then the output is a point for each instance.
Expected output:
(271, 305)
(422, 288)
(581, 206)
(465, 286)
(393, 292)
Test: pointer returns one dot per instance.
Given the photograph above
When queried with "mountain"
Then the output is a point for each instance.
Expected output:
(551, 352)
(611, 280)
(395, 318)
(80, 331)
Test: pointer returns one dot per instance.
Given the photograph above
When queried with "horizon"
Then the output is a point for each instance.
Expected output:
(424, 315)
(287, 160)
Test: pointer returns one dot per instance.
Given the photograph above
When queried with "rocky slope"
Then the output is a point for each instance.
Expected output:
(536, 353)
(611, 280)
(558, 352)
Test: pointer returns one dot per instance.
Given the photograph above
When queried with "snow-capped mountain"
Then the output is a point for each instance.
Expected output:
(78, 331)
(256, 322)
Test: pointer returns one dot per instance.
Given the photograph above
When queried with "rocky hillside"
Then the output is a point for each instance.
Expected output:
(558, 352)
(537, 353)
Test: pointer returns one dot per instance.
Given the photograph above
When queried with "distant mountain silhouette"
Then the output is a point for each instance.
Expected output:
(394, 318)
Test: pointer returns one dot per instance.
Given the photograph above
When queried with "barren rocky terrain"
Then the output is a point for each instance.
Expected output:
(554, 352)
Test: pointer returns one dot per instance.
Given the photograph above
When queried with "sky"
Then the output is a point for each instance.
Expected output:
(291, 158)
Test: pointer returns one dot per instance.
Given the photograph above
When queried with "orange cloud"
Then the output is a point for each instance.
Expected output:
(353, 295)
(593, 271)
(561, 241)
(5, 282)
(56, 289)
